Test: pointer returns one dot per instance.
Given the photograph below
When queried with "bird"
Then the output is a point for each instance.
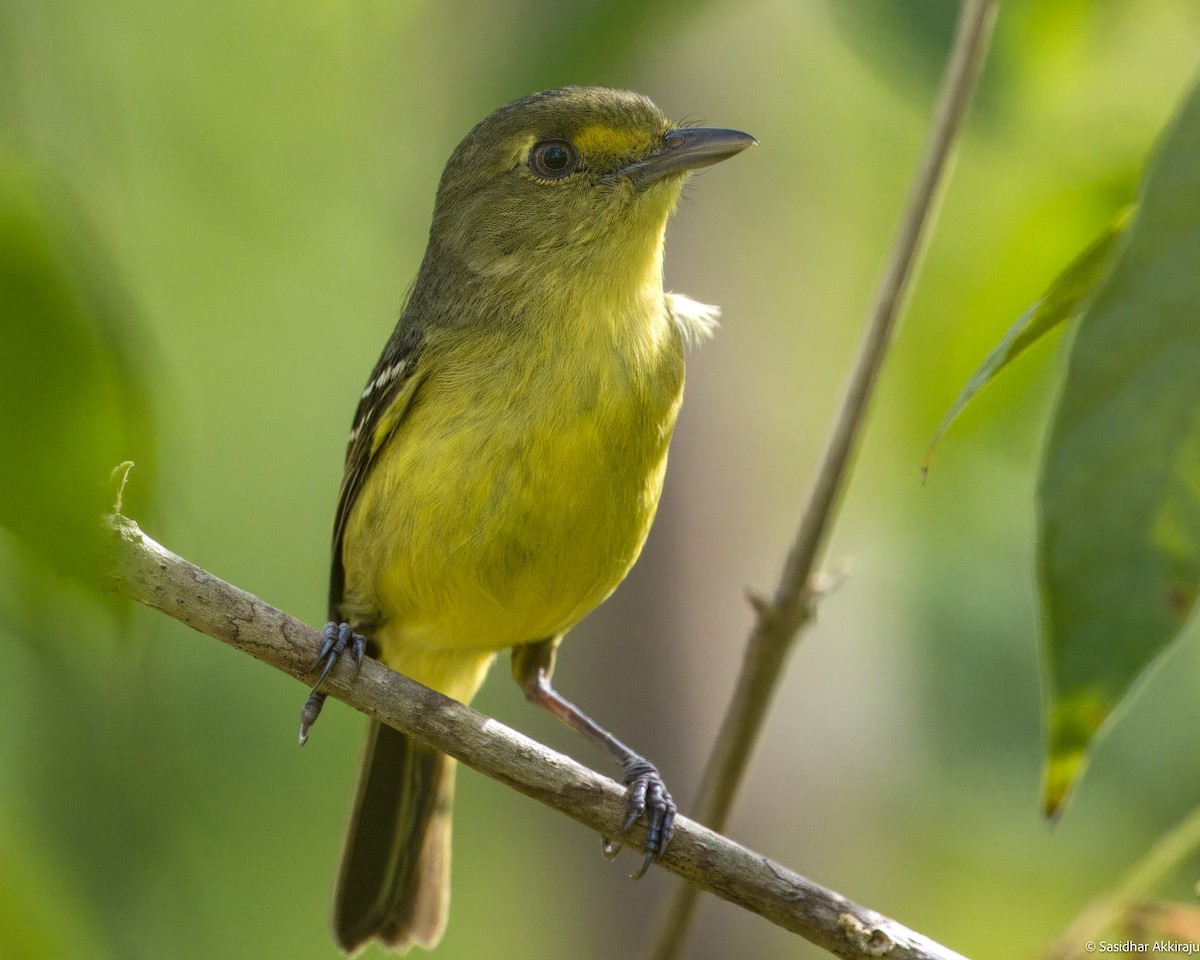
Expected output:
(507, 457)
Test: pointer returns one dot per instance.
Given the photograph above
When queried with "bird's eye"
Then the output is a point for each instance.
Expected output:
(553, 159)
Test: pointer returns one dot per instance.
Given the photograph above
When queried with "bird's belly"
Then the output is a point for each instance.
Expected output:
(487, 538)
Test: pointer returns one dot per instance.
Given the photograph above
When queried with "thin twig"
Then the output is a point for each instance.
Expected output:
(1160, 861)
(143, 570)
(779, 621)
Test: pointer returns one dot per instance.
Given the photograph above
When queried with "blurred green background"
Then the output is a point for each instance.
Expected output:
(250, 185)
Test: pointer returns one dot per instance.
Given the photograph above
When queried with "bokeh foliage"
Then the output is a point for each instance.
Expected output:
(72, 406)
(1119, 495)
(258, 179)
(1120, 489)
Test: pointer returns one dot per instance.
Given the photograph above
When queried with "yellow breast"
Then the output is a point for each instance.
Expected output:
(517, 491)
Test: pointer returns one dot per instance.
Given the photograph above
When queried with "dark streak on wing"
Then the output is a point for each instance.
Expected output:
(394, 370)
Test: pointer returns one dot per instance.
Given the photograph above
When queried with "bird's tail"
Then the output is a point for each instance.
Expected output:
(394, 879)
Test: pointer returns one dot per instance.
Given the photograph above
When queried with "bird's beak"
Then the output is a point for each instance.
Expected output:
(687, 149)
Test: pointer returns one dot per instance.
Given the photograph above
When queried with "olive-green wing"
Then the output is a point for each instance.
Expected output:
(387, 395)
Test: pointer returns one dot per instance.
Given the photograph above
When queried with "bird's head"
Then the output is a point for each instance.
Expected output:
(577, 179)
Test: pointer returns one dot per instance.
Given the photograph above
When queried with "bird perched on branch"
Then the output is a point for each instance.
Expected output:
(507, 457)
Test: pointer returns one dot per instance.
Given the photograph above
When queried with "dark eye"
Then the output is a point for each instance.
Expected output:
(553, 159)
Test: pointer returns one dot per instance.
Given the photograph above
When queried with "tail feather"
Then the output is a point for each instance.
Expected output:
(394, 880)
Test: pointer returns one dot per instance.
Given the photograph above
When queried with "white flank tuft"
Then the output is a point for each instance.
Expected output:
(696, 321)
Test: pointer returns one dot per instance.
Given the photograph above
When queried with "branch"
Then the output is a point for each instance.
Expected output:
(779, 620)
(147, 572)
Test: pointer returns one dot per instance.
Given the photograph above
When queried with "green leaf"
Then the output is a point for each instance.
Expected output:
(1060, 303)
(1119, 492)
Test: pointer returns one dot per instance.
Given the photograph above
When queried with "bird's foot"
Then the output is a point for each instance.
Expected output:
(648, 796)
(336, 639)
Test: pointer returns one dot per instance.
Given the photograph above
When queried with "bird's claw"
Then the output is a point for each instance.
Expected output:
(336, 638)
(648, 797)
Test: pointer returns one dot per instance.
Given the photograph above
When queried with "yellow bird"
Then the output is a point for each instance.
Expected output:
(507, 456)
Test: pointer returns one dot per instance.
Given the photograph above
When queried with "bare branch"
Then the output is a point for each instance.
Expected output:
(145, 571)
(779, 622)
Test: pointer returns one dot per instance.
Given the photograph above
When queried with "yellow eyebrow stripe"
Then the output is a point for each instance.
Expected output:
(601, 138)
